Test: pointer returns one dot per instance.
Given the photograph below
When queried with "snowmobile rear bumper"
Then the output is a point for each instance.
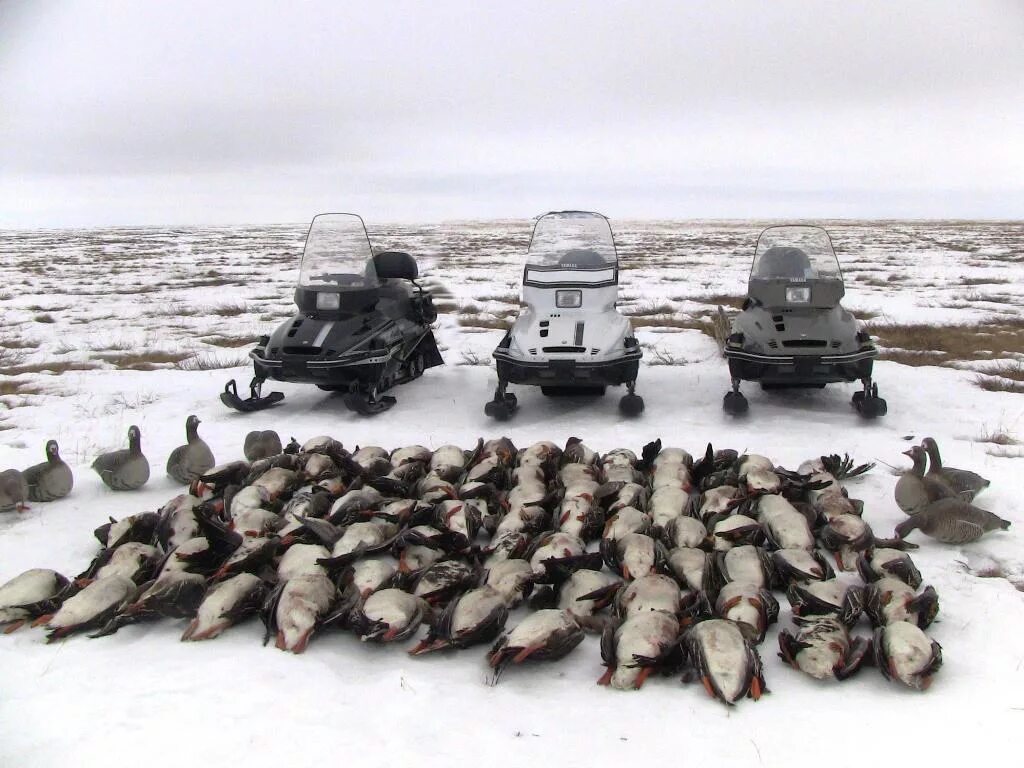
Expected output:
(797, 370)
(568, 372)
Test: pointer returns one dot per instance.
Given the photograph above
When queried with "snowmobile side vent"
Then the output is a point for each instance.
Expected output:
(836, 344)
(773, 344)
(573, 350)
(780, 326)
(578, 338)
(544, 333)
(804, 343)
(532, 351)
(594, 350)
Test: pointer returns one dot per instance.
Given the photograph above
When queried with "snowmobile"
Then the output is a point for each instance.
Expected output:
(569, 339)
(361, 327)
(792, 331)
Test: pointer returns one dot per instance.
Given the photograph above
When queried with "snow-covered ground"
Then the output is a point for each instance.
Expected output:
(144, 697)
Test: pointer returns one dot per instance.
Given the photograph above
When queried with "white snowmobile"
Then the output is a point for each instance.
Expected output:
(792, 331)
(569, 339)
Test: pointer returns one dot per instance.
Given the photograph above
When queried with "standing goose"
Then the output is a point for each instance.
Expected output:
(963, 482)
(50, 480)
(13, 491)
(262, 445)
(915, 489)
(952, 521)
(187, 462)
(126, 469)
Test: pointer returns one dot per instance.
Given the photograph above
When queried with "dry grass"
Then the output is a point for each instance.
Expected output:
(485, 321)
(990, 384)
(210, 361)
(231, 342)
(985, 280)
(920, 344)
(44, 318)
(702, 324)
(176, 309)
(51, 366)
(11, 342)
(20, 388)
(142, 361)
(230, 310)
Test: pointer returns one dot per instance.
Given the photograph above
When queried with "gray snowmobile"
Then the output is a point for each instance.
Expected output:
(792, 331)
(363, 325)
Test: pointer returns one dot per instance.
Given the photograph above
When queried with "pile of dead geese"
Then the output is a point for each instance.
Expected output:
(672, 561)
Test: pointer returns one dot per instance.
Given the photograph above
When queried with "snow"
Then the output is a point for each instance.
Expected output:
(142, 695)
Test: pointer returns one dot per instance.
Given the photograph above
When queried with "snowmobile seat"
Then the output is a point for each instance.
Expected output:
(395, 265)
(784, 262)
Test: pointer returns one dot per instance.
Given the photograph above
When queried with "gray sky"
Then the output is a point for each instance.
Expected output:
(200, 112)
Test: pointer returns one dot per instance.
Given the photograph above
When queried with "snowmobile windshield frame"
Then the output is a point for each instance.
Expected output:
(337, 255)
(795, 253)
(571, 248)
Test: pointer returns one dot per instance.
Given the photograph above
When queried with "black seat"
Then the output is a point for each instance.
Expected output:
(783, 261)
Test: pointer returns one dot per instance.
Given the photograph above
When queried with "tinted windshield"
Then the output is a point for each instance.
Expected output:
(337, 253)
(572, 239)
(795, 253)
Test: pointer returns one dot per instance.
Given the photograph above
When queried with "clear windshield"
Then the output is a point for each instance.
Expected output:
(572, 239)
(795, 253)
(337, 253)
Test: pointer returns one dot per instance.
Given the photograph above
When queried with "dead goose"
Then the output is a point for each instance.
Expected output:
(906, 654)
(546, 635)
(795, 565)
(388, 616)
(31, 594)
(175, 595)
(634, 555)
(513, 578)
(226, 603)
(822, 648)
(827, 598)
(475, 617)
(370, 574)
(190, 461)
(880, 562)
(721, 657)
(90, 608)
(585, 593)
(444, 579)
(689, 566)
(126, 469)
(752, 608)
(14, 491)
(890, 600)
(952, 521)
(962, 482)
(296, 609)
(653, 592)
(50, 480)
(554, 556)
(640, 645)
(262, 445)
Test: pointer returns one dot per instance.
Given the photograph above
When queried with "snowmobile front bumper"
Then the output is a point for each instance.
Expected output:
(800, 370)
(363, 367)
(568, 372)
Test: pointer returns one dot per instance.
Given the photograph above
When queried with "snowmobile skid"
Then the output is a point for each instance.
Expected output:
(792, 331)
(360, 329)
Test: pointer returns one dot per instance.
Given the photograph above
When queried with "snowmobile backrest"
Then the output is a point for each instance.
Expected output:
(395, 265)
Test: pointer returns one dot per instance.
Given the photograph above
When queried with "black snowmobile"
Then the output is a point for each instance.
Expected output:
(360, 329)
(792, 331)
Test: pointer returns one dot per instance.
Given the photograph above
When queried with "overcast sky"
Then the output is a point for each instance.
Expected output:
(224, 112)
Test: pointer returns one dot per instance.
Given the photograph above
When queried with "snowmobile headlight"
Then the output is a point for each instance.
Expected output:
(568, 299)
(798, 294)
(328, 301)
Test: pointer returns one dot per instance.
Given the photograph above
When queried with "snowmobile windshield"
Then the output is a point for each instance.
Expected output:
(337, 254)
(795, 253)
(572, 240)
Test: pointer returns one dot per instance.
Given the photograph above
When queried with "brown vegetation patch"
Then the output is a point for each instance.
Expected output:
(230, 310)
(51, 366)
(930, 343)
(231, 342)
(485, 321)
(142, 361)
(21, 388)
(210, 361)
(44, 318)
